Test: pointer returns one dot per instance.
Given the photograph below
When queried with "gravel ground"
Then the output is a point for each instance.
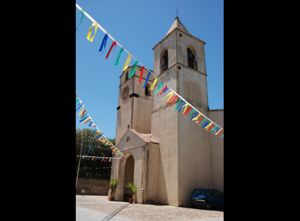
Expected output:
(90, 208)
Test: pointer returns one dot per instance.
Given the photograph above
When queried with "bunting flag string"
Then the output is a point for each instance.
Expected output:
(183, 107)
(97, 157)
(132, 72)
(86, 119)
(158, 88)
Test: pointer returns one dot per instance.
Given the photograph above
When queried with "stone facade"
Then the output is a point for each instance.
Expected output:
(170, 155)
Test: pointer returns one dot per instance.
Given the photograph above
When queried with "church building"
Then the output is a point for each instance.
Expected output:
(169, 155)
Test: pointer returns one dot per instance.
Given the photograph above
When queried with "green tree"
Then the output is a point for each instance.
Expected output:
(91, 147)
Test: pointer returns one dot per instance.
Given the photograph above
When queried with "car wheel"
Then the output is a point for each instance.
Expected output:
(208, 206)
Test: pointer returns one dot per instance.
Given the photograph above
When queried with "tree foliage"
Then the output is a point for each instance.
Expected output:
(98, 169)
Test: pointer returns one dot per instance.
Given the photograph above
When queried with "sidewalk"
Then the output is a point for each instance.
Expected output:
(92, 208)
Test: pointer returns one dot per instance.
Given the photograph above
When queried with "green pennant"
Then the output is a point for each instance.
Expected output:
(119, 55)
(81, 19)
(132, 72)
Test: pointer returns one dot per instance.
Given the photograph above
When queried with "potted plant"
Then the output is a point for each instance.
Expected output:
(132, 189)
(112, 187)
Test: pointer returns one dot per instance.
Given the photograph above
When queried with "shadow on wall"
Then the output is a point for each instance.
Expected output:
(162, 188)
(156, 183)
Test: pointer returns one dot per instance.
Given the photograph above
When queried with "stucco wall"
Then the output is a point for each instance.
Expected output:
(142, 109)
(124, 114)
(136, 147)
(217, 151)
(152, 187)
(194, 166)
(194, 154)
(164, 127)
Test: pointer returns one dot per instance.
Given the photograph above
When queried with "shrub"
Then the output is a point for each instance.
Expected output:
(131, 188)
(113, 184)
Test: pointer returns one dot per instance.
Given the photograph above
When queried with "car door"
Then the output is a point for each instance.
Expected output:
(218, 198)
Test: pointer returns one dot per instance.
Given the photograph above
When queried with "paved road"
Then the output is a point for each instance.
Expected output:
(98, 208)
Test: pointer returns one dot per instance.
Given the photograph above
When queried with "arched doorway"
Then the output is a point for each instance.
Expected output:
(129, 174)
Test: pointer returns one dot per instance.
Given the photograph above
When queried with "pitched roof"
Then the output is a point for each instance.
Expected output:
(145, 137)
(177, 24)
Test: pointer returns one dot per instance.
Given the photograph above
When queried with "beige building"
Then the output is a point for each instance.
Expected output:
(169, 154)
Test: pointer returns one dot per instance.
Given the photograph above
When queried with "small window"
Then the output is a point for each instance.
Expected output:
(191, 59)
(126, 76)
(164, 60)
(147, 91)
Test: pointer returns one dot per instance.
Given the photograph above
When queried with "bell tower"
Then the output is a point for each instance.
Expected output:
(135, 104)
(181, 55)
(184, 145)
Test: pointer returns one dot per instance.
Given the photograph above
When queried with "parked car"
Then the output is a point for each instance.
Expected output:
(207, 199)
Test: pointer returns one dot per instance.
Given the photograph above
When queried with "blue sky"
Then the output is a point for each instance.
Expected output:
(138, 25)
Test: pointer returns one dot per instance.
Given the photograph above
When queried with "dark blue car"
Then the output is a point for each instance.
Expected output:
(208, 199)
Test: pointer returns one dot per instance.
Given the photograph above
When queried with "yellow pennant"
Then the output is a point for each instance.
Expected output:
(185, 107)
(89, 36)
(153, 84)
(197, 117)
(169, 94)
(127, 62)
(208, 125)
(172, 95)
(81, 110)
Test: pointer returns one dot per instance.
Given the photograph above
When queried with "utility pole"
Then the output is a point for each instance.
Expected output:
(79, 158)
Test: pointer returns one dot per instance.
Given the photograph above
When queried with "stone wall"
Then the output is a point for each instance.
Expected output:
(93, 186)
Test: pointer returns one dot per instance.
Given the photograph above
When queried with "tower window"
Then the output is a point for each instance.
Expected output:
(164, 60)
(192, 63)
(147, 91)
(126, 76)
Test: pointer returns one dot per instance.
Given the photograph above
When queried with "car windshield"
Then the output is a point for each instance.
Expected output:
(198, 192)
(216, 193)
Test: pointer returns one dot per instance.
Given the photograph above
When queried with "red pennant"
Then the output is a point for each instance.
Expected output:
(163, 90)
(200, 119)
(220, 133)
(141, 74)
(111, 47)
(210, 127)
(172, 100)
(187, 111)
